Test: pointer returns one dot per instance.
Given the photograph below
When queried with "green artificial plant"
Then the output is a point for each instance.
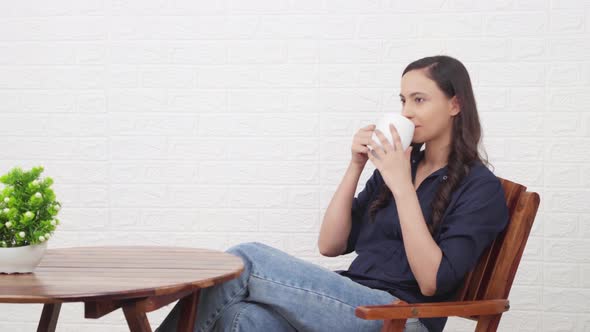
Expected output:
(28, 208)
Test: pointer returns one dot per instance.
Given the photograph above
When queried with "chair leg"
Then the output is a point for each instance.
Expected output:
(488, 323)
(394, 325)
(49, 317)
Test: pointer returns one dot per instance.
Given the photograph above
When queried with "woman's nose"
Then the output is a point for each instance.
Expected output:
(407, 112)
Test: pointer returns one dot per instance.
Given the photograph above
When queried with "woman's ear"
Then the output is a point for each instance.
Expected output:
(455, 107)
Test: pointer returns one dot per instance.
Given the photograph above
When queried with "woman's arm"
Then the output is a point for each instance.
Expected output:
(478, 216)
(424, 255)
(337, 221)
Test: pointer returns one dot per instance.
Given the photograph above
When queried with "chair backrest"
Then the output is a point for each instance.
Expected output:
(494, 273)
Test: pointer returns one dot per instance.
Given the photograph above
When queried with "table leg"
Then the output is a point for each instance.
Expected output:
(49, 317)
(188, 312)
(136, 318)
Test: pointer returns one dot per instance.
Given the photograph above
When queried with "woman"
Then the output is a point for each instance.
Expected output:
(418, 226)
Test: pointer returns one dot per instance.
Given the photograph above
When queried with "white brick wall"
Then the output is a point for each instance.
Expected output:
(210, 123)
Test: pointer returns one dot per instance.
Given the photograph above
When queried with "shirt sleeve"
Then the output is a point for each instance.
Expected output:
(479, 215)
(360, 204)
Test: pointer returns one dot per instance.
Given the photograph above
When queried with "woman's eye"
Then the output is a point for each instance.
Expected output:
(419, 100)
(402, 101)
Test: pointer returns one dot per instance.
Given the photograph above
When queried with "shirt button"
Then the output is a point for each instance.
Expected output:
(414, 161)
(445, 178)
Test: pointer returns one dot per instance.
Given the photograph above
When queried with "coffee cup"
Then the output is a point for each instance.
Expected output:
(404, 127)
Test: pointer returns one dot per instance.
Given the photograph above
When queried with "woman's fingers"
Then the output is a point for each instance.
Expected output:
(362, 139)
(363, 135)
(375, 147)
(363, 149)
(373, 156)
(384, 142)
(396, 139)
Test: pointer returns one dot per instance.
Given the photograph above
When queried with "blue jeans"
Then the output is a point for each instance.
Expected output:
(279, 292)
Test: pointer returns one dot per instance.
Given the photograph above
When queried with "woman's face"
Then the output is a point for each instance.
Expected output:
(427, 107)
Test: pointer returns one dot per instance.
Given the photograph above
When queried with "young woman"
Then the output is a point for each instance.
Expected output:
(418, 226)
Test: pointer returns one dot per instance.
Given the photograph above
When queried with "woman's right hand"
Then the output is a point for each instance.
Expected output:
(359, 145)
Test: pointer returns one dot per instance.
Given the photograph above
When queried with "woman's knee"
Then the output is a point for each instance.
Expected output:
(250, 250)
(260, 259)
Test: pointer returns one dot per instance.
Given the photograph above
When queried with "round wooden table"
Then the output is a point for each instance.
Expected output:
(138, 279)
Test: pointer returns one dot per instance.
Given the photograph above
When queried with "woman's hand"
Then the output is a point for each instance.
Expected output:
(392, 162)
(359, 145)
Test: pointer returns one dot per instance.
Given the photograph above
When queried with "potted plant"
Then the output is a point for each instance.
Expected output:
(28, 211)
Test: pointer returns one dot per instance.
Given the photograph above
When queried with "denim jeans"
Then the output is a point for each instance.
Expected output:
(279, 292)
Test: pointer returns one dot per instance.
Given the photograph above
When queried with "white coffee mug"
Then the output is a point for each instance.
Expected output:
(404, 127)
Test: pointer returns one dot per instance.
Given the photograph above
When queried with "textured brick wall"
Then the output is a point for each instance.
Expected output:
(210, 123)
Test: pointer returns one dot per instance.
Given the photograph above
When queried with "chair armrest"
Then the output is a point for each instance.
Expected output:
(434, 309)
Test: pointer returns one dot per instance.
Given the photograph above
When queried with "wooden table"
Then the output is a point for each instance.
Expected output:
(136, 279)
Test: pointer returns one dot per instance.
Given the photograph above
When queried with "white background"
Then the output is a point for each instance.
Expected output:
(210, 123)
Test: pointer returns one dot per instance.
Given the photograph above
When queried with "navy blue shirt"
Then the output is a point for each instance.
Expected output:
(476, 214)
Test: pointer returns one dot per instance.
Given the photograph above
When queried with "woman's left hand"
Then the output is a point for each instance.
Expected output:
(392, 162)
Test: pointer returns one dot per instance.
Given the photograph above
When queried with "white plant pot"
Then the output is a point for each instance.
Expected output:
(21, 259)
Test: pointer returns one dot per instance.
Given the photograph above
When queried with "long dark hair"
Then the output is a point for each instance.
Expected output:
(452, 78)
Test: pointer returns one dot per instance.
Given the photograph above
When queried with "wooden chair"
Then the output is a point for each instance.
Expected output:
(484, 295)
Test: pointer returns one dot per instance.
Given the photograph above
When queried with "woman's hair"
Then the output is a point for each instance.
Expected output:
(452, 78)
